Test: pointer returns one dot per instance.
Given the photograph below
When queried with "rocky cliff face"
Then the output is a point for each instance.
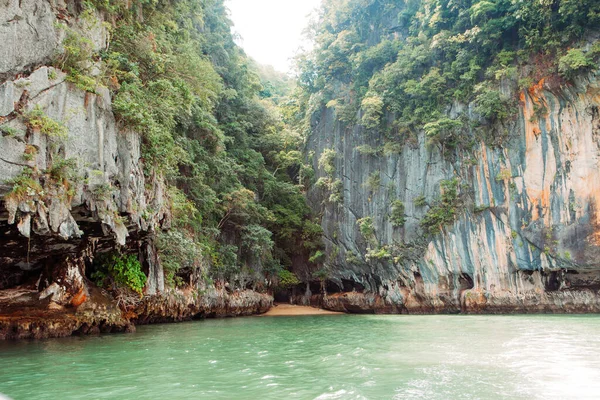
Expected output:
(72, 183)
(526, 235)
(68, 174)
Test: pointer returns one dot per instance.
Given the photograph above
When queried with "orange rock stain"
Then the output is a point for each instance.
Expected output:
(79, 298)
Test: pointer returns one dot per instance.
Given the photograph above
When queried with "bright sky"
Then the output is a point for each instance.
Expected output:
(271, 30)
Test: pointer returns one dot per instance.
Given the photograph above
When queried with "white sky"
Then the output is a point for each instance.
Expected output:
(271, 30)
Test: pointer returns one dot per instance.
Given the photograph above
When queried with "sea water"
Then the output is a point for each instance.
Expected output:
(317, 357)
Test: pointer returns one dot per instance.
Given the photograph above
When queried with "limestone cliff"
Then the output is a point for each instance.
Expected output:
(526, 238)
(73, 184)
(103, 195)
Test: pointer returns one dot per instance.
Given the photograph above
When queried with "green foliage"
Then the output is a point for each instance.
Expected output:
(185, 214)
(30, 152)
(336, 195)
(391, 148)
(77, 60)
(256, 240)
(397, 216)
(353, 259)
(64, 173)
(10, 131)
(103, 191)
(378, 253)
(321, 274)
(345, 110)
(178, 251)
(440, 53)
(575, 62)
(421, 201)
(491, 105)
(373, 111)
(318, 256)
(213, 126)
(275, 85)
(224, 261)
(373, 182)
(311, 235)
(366, 227)
(287, 279)
(443, 132)
(504, 174)
(445, 210)
(367, 150)
(121, 270)
(24, 187)
(160, 77)
(334, 187)
(64, 170)
(327, 161)
(38, 120)
(323, 183)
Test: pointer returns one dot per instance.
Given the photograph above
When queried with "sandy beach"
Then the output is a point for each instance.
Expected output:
(283, 309)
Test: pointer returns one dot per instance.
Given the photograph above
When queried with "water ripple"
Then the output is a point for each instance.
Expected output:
(320, 357)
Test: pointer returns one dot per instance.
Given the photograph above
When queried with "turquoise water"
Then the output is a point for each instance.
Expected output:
(318, 357)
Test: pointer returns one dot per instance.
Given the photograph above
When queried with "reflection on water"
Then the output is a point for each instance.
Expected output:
(319, 357)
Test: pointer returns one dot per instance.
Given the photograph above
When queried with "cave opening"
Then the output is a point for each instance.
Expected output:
(552, 281)
(465, 281)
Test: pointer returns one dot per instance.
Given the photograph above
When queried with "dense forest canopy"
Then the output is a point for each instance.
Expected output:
(414, 59)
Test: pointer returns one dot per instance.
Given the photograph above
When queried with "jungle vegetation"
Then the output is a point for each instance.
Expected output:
(226, 135)
(214, 131)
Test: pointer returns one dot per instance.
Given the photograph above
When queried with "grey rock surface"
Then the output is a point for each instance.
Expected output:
(107, 196)
(106, 159)
(527, 223)
(29, 36)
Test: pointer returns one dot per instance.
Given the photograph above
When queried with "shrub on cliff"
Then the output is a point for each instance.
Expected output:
(574, 62)
(397, 216)
(327, 161)
(25, 187)
(119, 270)
(37, 119)
(373, 110)
(444, 211)
(366, 226)
(287, 279)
